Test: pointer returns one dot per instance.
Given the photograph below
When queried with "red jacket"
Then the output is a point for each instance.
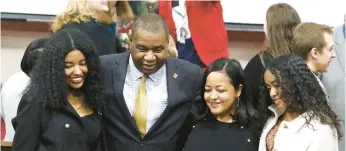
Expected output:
(206, 25)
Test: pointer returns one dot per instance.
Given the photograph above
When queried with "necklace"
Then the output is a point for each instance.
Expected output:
(76, 101)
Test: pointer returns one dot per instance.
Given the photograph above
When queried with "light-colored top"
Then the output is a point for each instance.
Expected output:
(322, 86)
(11, 94)
(297, 135)
(156, 87)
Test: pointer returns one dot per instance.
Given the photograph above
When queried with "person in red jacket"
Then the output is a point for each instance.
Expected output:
(198, 28)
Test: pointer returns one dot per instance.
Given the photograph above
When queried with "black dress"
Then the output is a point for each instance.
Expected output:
(92, 130)
(212, 135)
(253, 73)
(103, 35)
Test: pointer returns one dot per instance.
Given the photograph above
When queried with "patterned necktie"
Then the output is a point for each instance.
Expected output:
(141, 105)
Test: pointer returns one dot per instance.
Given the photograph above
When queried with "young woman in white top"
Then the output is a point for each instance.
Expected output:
(298, 115)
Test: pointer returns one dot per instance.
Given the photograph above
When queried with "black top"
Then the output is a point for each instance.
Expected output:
(212, 135)
(39, 128)
(103, 35)
(253, 73)
(92, 129)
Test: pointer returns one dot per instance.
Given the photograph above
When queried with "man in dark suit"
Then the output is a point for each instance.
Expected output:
(149, 95)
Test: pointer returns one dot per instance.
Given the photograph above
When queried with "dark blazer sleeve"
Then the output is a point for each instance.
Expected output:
(199, 82)
(27, 127)
(187, 127)
(252, 77)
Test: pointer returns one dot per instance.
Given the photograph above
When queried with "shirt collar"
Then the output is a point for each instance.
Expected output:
(136, 74)
(275, 110)
(296, 124)
(293, 125)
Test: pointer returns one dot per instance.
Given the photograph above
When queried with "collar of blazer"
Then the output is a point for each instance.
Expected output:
(294, 125)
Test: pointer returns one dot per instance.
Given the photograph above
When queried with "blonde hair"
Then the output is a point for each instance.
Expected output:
(172, 49)
(77, 11)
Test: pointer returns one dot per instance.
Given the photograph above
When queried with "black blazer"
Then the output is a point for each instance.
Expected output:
(169, 131)
(39, 128)
(103, 38)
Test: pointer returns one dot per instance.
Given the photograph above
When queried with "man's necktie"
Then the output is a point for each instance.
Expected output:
(141, 106)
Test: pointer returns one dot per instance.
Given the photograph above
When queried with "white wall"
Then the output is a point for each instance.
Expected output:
(13, 45)
(329, 12)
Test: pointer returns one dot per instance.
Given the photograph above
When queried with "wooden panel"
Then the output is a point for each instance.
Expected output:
(6, 146)
(20, 25)
(245, 36)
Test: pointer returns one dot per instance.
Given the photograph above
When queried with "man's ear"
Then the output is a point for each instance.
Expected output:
(314, 53)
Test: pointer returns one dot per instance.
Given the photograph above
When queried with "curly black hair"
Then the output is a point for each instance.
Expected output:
(300, 90)
(31, 55)
(246, 113)
(48, 82)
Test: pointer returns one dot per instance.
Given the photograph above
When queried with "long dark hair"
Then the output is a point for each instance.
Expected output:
(48, 82)
(246, 112)
(300, 90)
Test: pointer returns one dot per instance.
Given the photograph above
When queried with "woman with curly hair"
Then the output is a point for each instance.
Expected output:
(225, 119)
(64, 98)
(297, 113)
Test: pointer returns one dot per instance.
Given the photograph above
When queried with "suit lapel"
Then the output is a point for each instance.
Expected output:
(119, 75)
(172, 90)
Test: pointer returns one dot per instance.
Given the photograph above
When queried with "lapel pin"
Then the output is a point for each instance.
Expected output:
(175, 75)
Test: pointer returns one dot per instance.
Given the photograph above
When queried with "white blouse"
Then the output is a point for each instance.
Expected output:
(297, 135)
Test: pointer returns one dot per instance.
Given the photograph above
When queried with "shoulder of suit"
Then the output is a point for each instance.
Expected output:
(112, 57)
(183, 64)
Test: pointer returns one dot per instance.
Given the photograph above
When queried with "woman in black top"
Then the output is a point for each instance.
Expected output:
(61, 107)
(98, 20)
(281, 20)
(226, 120)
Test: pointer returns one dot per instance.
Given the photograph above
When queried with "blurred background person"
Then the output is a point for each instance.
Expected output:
(226, 119)
(198, 28)
(314, 43)
(64, 98)
(98, 19)
(144, 6)
(280, 21)
(123, 15)
(13, 88)
(296, 110)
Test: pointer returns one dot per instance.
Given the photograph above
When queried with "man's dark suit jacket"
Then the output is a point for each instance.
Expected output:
(168, 133)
